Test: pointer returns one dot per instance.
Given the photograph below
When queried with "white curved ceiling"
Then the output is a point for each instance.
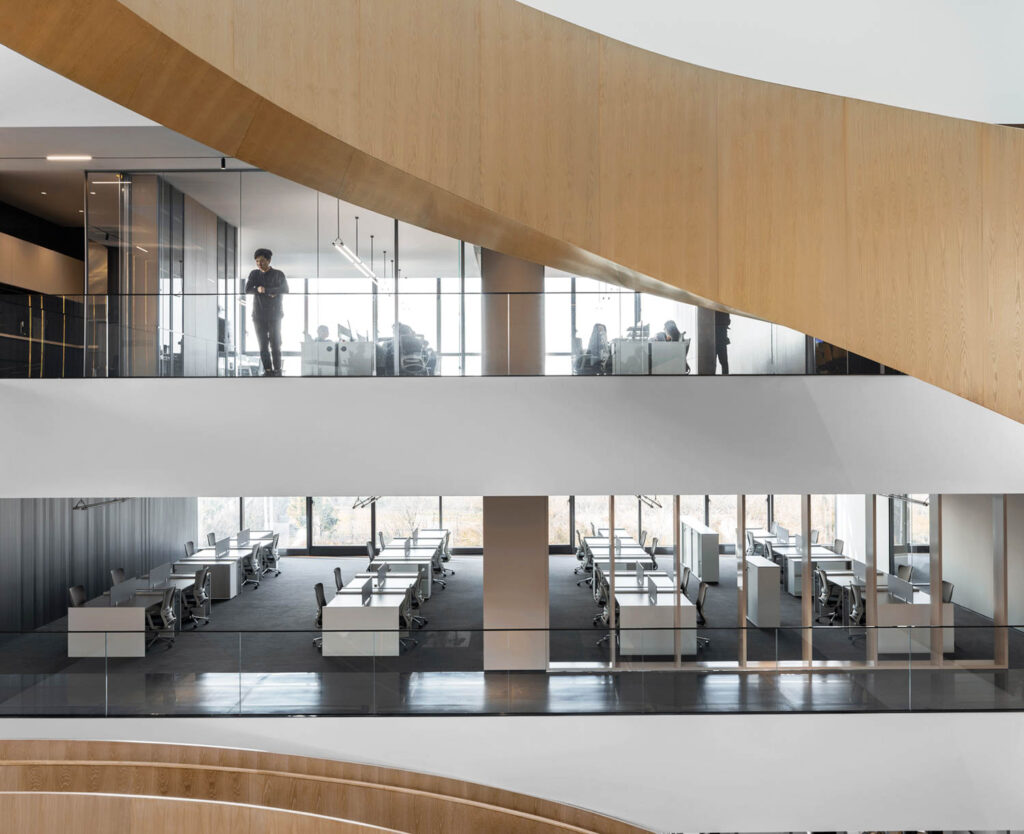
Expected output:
(953, 57)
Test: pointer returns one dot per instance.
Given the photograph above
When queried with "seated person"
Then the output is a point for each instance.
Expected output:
(672, 333)
(598, 355)
(323, 334)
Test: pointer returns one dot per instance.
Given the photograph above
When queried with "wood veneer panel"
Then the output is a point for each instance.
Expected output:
(269, 778)
(781, 204)
(1003, 184)
(658, 193)
(918, 293)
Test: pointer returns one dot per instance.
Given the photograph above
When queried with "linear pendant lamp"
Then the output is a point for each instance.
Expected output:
(348, 254)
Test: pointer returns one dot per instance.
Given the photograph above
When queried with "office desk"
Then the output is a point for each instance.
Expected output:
(418, 565)
(627, 582)
(378, 623)
(117, 631)
(602, 532)
(225, 574)
(762, 592)
(623, 564)
(893, 612)
(646, 628)
(820, 558)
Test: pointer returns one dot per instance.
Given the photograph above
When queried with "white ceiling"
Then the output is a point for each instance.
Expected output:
(953, 57)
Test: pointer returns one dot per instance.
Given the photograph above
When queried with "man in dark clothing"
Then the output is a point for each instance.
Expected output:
(722, 321)
(267, 285)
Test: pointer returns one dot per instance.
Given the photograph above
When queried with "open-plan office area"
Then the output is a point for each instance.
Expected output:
(256, 605)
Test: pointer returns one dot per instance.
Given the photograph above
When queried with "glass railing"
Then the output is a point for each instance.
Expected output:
(387, 334)
(437, 671)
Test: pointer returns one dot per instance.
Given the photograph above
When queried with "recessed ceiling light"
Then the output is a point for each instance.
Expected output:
(43, 193)
(93, 193)
(68, 157)
(81, 211)
(141, 249)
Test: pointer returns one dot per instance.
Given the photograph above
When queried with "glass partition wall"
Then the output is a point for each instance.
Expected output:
(169, 254)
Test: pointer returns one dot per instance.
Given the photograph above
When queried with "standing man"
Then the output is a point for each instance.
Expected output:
(267, 285)
(722, 322)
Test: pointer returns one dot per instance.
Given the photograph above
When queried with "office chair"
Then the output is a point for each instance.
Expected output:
(338, 582)
(653, 551)
(702, 594)
(321, 603)
(837, 546)
(643, 537)
(828, 598)
(947, 591)
(271, 556)
(750, 542)
(77, 595)
(814, 536)
(904, 572)
(252, 567)
(769, 552)
(593, 529)
(446, 554)
(437, 569)
(190, 548)
(774, 529)
(383, 539)
(194, 600)
(117, 575)
(211, 539)
(581, 553)
(370, 551)
(686, 579)
(161, 623)
(858, 610)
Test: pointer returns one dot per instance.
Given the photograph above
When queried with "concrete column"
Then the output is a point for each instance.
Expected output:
(515, 582)
(512, 315)
(515, 528)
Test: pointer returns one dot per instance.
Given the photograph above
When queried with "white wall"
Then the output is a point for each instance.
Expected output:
(938, 771)
(501, 436)
(850, 519)
(967, 550)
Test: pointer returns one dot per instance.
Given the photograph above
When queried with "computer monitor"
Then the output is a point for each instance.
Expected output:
(159, 574)
(243, 537)
(639, 574)
(221, 548)
(860, 572)
(652, 590)
(367, 591)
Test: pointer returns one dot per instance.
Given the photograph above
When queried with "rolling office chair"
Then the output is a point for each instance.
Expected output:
(271, 556)
(653, 551)
(947, 591)
(195, 599)
(117, 575)
(190, 548)
(829, 598)
(702, 594)
(370, 551)
(750, 543)
(437, 569)
(76, 593)
(383, 539)
(837, 546)
(858, 610)
(446, 554)
(686, 579)
(321, 603)
(904, 572)
(211, 539)
(338, 582)
(161, 623)
(581, 553)
(252, 567)
(593, 529)
(643, 537)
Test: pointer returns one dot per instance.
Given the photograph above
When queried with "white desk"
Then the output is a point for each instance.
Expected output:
(763, 592)
(418, 565)
(225, 574)
(794, 561)
(378, 623)
(116, 631)
(646, 628)
(892, 612)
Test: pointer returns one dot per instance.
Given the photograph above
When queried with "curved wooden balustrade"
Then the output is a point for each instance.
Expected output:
(42, 812)
(364, 794)
(890, 232)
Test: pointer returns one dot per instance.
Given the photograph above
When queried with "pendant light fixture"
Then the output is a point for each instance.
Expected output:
(348, 254)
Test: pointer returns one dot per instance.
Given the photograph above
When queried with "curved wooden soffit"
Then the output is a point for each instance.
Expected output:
(894, 233)
(247, 779)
